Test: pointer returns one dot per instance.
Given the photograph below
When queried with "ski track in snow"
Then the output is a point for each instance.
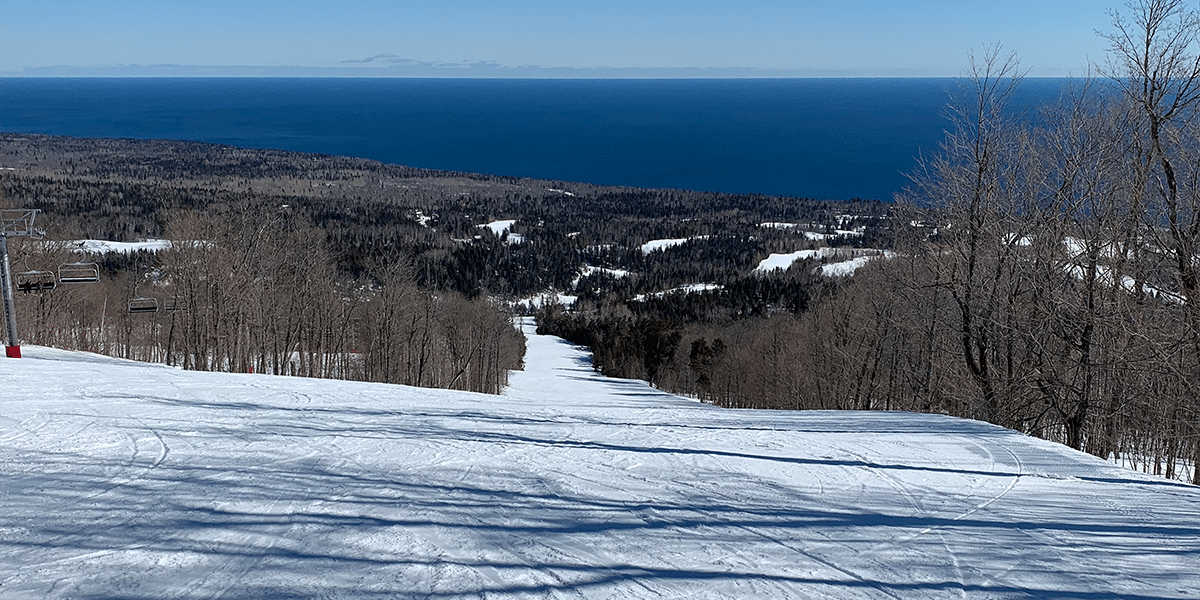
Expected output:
(126, 480)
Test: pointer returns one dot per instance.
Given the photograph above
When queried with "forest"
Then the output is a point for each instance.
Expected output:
(1044, 276)
(324, 266)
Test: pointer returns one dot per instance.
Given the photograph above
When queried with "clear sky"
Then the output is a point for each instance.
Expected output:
(558, 37)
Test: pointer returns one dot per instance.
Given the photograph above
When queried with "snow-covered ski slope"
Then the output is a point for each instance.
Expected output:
(125, 480)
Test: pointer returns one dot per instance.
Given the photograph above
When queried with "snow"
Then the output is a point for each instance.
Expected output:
(848, 267)
(589, 270)
(842, 262)
(694, 288)
(1023, 241)
(809, 229)
(783, 261)
(1104, 274)
(422, 219)
(817, 237)
(107, 247)
(499, 227)
(653, 245)
(126, 480)
(814, 235)
(536, 302)
(844, 268)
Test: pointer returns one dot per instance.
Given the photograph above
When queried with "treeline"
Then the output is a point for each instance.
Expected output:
(255, 291)
(690, 341)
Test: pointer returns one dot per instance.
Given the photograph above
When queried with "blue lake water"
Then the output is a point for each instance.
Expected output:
(819, 138)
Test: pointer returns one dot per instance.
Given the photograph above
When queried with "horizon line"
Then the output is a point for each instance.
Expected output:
(481, 71)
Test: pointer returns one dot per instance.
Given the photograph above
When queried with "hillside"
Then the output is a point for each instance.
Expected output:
(128, 480)
(555, 233)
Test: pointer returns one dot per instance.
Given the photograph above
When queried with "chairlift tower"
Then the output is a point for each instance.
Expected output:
(13, 223)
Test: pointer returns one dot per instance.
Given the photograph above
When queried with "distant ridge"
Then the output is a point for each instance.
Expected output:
(477, 69)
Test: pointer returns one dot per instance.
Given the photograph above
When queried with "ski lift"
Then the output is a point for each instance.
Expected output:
(144, 304)
(36, 281)
(78, 273)
(173, 304)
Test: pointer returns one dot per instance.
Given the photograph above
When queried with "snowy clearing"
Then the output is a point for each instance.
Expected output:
(811, 230)
(589, 271)
(784, 261)
(653, 245)
(694, 288)
(499, 227)
(125, 480)
(548, 298)
(848, 267)
(820, 237)
(106, 247)
(841, 261)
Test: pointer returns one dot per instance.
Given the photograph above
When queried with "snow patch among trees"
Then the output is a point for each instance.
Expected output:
(695, 288)
(107, 247)
(839, 262)
(499, 227)
(653, 245)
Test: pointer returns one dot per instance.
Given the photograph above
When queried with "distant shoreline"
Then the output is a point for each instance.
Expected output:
(94, 152)
(469, 71)
(817, 138)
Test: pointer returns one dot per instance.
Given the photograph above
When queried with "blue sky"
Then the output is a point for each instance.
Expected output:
(553, 38)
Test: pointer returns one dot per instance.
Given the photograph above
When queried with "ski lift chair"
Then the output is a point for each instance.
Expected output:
(173, 304)
(36, 281)
(78, 273)
(143, 305)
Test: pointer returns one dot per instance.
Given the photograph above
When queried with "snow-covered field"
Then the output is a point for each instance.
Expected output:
(783, 261)
(124, 480)
(842, 262)
(694, 288)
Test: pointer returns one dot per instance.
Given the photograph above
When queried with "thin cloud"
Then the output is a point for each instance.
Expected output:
(388, 58)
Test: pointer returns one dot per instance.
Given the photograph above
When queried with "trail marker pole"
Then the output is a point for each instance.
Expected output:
(13, 223)
(13, 349)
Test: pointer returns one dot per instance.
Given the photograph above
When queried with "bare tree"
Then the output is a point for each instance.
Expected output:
(977, 191)
(1155, 60)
